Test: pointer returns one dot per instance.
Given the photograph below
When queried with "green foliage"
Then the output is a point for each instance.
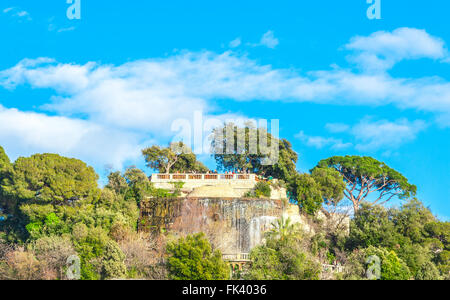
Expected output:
(51, 225)
(90, 247)
(192, 258)
(411, 232)
(117, 183)
(113, 261)
(176, 158)
(188, 163)
(366, 175)
(283, 229)
(139, 187)
(392, 267)
(282, 259)
(50, 178)
(428, 271)
(249, 151)
(52, 207)
(262, 189)
(6, 172)
(372, 226)
(307, 192)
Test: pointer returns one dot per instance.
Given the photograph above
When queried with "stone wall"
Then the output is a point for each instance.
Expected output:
(234, 225)
(213, 185)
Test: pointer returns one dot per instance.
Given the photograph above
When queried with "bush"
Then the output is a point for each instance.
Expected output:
(282, 259)
(192, 258)
(391, 266)
(428, 271)
(262, 189)
(113, 262)
(54, 251)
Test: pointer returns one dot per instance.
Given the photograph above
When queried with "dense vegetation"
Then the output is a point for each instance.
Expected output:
(52, 209)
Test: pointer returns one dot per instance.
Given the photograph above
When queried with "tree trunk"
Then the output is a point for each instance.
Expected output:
(355, 207)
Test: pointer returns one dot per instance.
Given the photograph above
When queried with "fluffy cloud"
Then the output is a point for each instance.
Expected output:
(385, 134)
(26, 133)
(367, 135)
(140, 99)
(269, 40)
(337, 127)
(381, 50)
(320, 142)
(235, 43)
(17, 13)
(146, 93)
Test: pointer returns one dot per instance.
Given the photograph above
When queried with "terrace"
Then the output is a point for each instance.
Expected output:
(202, 177)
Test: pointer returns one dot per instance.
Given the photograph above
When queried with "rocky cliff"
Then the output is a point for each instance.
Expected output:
(234, 225)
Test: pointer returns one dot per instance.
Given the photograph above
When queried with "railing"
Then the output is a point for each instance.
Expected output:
(332, 268)
(236, 257)
(176, 177)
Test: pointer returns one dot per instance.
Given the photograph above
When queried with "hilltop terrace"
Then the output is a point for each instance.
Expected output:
(156, 178)
(213, 185)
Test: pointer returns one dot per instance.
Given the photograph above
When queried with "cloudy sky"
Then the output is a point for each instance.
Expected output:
(103, 87)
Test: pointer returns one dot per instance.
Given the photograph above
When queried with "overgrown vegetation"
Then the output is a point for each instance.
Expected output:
(192, 258)
(261, 189)
(51, 208)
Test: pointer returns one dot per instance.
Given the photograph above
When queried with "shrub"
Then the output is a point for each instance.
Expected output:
(192, 258)
(391, 266)
(261, 189)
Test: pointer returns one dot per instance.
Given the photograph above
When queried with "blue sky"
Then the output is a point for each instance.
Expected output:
(102, 87)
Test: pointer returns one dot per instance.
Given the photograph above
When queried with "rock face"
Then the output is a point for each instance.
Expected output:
(234, 225)
(213, 185)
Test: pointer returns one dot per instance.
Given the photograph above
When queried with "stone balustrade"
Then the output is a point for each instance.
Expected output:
(199, 177)
(236, 257)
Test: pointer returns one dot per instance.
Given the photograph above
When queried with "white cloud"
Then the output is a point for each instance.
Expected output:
(320, 142)
(72, 28)
(148, 94)
(368, 135)
(26, 133)
(385, 134)
(337, 127)
(156, 90)
(235, 43)
(142, 98)
(43, 73)
(269, 40)
(18, 13)
(381, 50)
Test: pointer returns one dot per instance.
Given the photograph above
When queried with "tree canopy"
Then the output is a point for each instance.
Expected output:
(176, 158)
(5, 176)
(192, 258)
(283, 256)
(366, 175)
(411, 231)
(50, 178)
(310, 191)
(253, 149)
(51, 208)
(307, 192)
